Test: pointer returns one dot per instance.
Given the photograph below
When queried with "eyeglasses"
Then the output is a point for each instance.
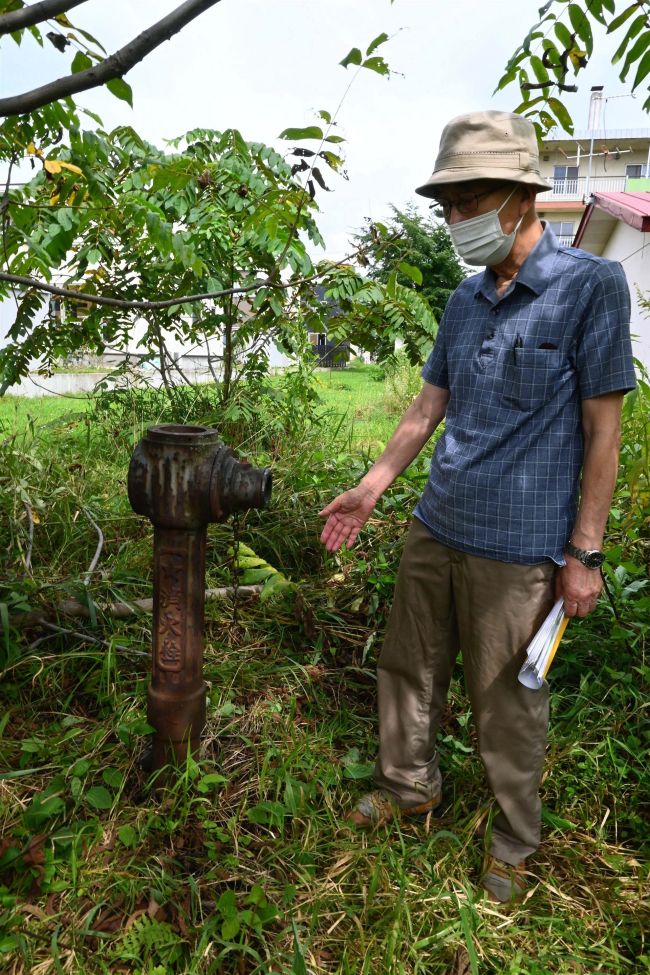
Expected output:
(466, 203)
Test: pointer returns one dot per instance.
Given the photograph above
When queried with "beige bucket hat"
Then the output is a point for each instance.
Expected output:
(486, 145)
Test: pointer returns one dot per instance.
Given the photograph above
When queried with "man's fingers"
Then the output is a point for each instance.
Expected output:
(329, 509)
(338, 532)
(330, 534)
(580, 607)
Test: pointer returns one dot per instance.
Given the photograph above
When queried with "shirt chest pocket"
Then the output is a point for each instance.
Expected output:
(531, 377)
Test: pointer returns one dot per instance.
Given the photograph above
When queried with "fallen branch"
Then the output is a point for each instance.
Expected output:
(30, 519)
(98, 551)
(79, 635)
(120, 610)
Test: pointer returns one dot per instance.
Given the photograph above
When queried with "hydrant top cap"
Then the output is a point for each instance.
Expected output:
(176, 433)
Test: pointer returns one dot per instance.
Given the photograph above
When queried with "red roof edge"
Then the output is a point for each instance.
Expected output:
(632, 208)
(582, 226)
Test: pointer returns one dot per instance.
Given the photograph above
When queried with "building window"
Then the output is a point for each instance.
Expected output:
(635, 172)
(565, 180)
(563, 230)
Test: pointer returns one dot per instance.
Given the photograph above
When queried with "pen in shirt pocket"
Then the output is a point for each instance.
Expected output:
(518, 344)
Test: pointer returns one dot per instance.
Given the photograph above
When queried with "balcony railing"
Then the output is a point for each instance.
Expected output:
(575, 189)
(565, 241)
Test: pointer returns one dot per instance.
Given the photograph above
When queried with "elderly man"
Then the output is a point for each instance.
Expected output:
(528, 370)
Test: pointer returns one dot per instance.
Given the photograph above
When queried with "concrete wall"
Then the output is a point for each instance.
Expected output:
(632, 249)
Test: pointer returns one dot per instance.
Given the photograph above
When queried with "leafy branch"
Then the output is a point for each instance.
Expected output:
(110, 69)
(35, 13)
(560, 45)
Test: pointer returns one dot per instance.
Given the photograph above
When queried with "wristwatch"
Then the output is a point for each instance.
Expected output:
(590, 557)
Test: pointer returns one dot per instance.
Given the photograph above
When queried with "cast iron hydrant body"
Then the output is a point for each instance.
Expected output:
(182, 478)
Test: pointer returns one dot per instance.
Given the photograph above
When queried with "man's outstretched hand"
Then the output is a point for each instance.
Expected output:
(346, 516)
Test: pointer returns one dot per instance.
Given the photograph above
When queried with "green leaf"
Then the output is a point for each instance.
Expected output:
(80, 62)
(414, 273)
(466, 925)
(120, 89)
(89, 37)
(376, 64)
(335, 139)
(533, 36)
(561, 114)
(332, 160)
(99, 798)
(8, 943)
(581, 25)
(230, 928)
(227, 904)
(42, 808)
(641, 45)
(113, 777)
(620, 20)
(252, 576)
(378, 41)
(299, 967)
(127, 836)
(563, 34)
(526, 106)
(644, 69)
(353, 57)
(325, 115)
(267, 813)
(633, 30)
(595, 8)
(207, 783)
(552, 819)
(310, 132)
(275, 584)
(538, 68)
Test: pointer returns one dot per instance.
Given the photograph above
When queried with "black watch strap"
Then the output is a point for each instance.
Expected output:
(591, 558)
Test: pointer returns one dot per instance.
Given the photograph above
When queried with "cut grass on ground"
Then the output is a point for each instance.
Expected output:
(244, 863)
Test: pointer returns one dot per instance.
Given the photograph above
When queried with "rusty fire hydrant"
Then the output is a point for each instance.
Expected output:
(182, 478)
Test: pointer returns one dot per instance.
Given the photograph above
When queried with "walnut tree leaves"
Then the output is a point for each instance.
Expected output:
(561, 44)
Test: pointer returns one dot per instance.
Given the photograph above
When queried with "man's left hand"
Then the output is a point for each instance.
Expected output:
(579, 586)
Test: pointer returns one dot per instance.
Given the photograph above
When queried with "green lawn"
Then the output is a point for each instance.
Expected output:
(19, 412)
(358, 396)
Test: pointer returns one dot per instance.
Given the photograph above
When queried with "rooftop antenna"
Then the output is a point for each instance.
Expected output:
(595, 106)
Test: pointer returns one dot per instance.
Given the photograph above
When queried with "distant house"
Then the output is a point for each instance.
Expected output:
(619, 163)
(599, 200)
(330, 354)
(617, 225)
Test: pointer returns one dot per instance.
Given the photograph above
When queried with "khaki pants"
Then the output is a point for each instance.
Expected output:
(446, 600)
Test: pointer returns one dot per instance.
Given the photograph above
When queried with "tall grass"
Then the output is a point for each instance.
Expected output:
(244, 863)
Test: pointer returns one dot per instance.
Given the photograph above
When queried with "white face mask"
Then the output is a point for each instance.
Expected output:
(481, 240)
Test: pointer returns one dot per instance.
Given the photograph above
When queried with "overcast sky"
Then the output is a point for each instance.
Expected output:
(263, 65)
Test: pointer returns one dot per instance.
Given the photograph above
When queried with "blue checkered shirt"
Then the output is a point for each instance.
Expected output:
(505, 473)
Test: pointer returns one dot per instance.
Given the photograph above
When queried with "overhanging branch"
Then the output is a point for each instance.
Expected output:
(112, 67)
(54, 289)
(35, 13)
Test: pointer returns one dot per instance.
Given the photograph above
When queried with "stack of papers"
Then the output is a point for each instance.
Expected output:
(542, 647)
